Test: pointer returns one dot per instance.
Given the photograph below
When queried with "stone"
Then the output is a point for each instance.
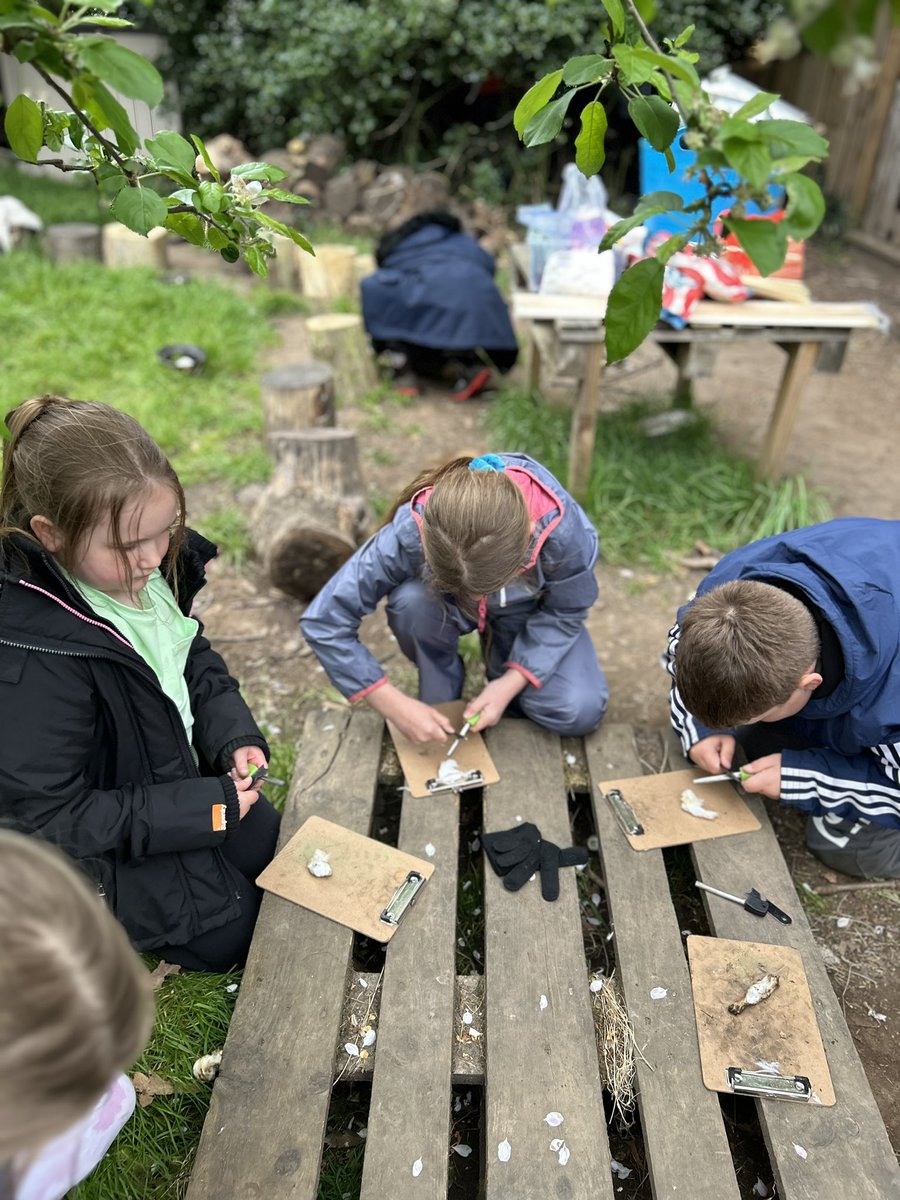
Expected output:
(341, 195)
(384, 199)
(226, 153)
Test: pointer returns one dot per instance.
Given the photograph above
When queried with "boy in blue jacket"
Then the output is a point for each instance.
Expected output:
(791, 649)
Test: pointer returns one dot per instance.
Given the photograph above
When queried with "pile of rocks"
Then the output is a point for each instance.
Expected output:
(362, 196)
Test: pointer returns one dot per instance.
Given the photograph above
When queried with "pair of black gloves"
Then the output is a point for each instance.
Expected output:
(517, 853)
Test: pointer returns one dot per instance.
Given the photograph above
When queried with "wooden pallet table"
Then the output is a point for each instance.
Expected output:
(814, 337)
(264, 1133)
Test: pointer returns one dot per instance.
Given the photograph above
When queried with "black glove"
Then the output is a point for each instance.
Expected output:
(517, 853)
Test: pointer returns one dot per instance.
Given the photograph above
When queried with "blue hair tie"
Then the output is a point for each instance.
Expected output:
(487, 462)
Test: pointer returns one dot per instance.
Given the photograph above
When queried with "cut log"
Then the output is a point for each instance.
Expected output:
(283, 272)
(298, 396)
(313, 514)
(340, 340)
(124, 248)
(72, 240)
(328, 274)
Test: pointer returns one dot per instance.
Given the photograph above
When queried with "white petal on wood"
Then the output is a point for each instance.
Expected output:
(553, 1119)
(467, 1018)
(800, 1150)
(417, 1168)
(557, 1144)
(544, 1002)
(462, 1150)
(429, 850)
(563, 1155)
(504, 1150)
(658, 993)
(352, 1050)
(369, 1038)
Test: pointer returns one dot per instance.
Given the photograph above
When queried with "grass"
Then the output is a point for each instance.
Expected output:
(229, 528)
(53, 198)
(86, 331)
(651, 498)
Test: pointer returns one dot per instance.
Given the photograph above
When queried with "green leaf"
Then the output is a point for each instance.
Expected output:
(633, 308)
(632, 67)
(230, 253)
(684, 37)
(256, 260)
(647, 206)
(675, 65)
(216, 238)
(764, 241)
(200, 146)
(755, 105)
(792, 137)
(586, 68)
(534, 100)
(187, 226)
(805, 206)
(105, 111)
(672, 245)
(139, 208)
(281, 194)
(655, 119)
(259, 170)
(616, 14)
(24, 128)
(589, 149)
(170, 149)
(185, 195)
(750, 159)
(107, 6)
(733, 127)
(287, 231)
(110, 178)
(212, 196)
(546, 124)
(121, 68)
(670, 159)
(111, 22)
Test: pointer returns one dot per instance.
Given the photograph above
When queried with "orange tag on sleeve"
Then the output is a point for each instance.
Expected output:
(218, 818)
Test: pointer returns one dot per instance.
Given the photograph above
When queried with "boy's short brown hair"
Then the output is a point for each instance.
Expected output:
(743, 649)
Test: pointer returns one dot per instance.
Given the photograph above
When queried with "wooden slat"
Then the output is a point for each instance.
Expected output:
(538, 1061)
(409, 1114)
(801, 358)
(288, 1010)
(848, 1151)
(676, 1109)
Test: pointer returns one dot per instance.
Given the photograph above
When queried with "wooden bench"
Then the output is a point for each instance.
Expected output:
(814, 337)
(264, 1133)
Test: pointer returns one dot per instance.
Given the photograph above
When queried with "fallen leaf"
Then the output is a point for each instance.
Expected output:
(148, 1087)
(161, 972)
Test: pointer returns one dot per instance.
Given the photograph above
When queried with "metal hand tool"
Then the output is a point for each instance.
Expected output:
(734, 776)
(752, 902)
(469, 724)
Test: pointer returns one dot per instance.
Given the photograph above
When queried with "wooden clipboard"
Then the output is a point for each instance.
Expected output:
(422, 762)
(655, 801)
(779, 1037)
(366, 877)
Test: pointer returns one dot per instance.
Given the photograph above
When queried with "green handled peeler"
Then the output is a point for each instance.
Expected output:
(470, 723)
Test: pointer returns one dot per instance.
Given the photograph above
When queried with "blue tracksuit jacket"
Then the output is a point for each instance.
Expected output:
(850, 571)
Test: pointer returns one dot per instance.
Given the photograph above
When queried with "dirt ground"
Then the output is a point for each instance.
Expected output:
(841, 443)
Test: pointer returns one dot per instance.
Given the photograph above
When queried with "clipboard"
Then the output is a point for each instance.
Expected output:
(371, 888)
(648, 809)
(773, 1049)
(421, 763)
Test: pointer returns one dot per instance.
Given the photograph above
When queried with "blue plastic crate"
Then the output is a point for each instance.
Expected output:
(656, 177)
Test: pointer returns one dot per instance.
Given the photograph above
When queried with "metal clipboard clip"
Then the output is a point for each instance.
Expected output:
(403, 898)
(624, 813)
(464, 781)
(775, 1087)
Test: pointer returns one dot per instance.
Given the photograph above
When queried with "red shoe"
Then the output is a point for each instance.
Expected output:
(406, 383)
(465, 389)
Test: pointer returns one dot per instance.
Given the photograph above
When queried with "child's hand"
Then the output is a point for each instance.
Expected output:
(245, 760)
(714, 753)
(492, 700)
(764, 777)
(247, 795)
(417, 721)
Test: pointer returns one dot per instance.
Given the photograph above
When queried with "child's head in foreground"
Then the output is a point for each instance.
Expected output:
(747, 652)
(75, 1005)
(93, 488)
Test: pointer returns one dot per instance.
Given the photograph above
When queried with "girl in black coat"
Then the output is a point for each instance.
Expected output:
(125, 740)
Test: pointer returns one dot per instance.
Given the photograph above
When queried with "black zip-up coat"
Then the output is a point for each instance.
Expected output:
(94, 755)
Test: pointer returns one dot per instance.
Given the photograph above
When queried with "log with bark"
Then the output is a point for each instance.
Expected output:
(339, 339)
(298, 396)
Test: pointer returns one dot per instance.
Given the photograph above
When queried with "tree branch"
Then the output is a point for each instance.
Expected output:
(82, 116)
(61, 165)
(654, 45)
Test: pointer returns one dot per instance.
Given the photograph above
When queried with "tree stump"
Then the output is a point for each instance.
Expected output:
(340, 340)
(124, 248)
(283, 272)
(73, 240)
(313, 514)
(299, 396)
(331, 273)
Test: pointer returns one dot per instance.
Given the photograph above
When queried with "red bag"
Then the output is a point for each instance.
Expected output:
(734, 253)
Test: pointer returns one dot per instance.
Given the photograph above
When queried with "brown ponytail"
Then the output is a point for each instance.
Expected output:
(475, 529)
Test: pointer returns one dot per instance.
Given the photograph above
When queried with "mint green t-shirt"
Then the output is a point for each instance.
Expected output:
(159, 631)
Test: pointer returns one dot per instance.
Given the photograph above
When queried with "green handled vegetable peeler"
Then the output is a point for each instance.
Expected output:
(470, 723)
(734, 776)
